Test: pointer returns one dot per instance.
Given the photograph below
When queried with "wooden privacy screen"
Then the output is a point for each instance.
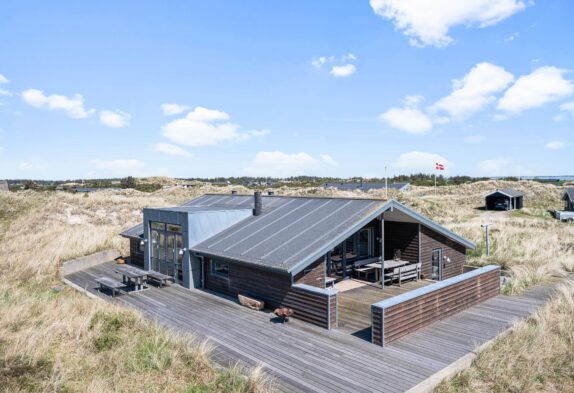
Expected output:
(400, 315)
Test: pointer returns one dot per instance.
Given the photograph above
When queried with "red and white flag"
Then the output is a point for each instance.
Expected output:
(439, 167)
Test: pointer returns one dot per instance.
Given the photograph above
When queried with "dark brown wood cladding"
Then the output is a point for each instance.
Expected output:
(314, 275)
(455, 252)
(403, 236)
(274, 289)
(413, 314)
(136, 257)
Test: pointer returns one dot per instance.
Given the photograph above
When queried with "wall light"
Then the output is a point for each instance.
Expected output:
(182, 251)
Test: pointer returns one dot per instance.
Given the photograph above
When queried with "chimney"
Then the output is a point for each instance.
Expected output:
(258, 206)
(270, 193)
(233, 192)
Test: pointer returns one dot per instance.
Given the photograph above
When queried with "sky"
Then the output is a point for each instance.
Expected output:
(258, 88)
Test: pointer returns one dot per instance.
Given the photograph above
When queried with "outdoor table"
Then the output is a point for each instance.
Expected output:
(132, 273)
(390, 264)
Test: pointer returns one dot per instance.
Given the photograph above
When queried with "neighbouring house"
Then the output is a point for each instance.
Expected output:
(365, 187)
(568, 198)
(4, 186)
(287, 251)
(504, 199)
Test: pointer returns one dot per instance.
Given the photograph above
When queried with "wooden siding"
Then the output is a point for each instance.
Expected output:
(274, 289)
(403, 236)
(314, 275)
(431, 240)
(136, 257)
(416, 313)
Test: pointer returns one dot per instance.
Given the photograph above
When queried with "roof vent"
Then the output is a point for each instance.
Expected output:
(258, 205)
(270, 193)
(233, 192)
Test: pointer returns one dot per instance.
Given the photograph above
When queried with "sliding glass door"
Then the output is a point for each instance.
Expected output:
(166, 250)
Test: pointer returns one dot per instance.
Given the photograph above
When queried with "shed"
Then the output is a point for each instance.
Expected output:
(568, 199)
(504, 199)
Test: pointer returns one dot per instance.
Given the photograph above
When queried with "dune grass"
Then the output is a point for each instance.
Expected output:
(55, 339)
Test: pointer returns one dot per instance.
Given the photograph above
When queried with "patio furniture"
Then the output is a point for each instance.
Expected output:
(160, 278)
(330, 282)
(365, 271)
(284, 313)
(389, 264)
(404, 273)
(111, 284)
(251, 303)
(130, 273)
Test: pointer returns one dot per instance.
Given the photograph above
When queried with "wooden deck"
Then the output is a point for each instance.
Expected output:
(355, 305)
(305, 358)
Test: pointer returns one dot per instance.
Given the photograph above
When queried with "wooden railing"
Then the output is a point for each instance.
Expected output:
(400, 315)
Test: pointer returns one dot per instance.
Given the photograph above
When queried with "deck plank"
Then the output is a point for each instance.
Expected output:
(304, 358)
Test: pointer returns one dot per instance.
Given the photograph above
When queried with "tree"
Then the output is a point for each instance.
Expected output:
(129, 182)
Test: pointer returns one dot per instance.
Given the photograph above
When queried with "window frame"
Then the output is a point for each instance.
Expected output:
(217, 273)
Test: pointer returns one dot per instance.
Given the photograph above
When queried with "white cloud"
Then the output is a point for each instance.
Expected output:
(512, 37)
(341, 67)
(566, 108)
(4, 81)
(318, 62)
(173, 109)
(474, 91)
(31, 166)
(410, 120)
(428, 22)
(74, 107)
(417, 161)
(115, 119)
(206, 127)
(555, 145)
(343, 71)
(170, 149)
(473, 139)
(543, 85)
(122, 167)
(279, 164)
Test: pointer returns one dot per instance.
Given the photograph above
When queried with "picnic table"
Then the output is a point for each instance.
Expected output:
(390, 264)
(130, 273)
(111, 284)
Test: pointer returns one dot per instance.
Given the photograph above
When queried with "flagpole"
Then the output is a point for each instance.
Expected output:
(386, 189)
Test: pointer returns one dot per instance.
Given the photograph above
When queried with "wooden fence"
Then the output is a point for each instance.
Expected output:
(400, 315)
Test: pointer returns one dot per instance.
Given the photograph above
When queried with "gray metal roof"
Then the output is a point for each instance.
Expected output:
(134, 232)
(568, 192)
(507, 192)
(295, 231)
(365, 186)
(291, 232)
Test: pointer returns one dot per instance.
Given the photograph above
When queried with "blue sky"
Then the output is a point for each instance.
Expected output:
(338, 88)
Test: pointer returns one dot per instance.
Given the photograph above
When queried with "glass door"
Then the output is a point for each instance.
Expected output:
(178, 259)
(436, 264)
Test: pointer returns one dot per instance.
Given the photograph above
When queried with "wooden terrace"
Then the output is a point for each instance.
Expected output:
(305, 358)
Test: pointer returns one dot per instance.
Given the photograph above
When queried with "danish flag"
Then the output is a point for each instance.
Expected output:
(439, 167)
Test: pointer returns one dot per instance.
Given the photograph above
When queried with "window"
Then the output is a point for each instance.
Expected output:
(160, 226)
(220, 268)
(173, 228)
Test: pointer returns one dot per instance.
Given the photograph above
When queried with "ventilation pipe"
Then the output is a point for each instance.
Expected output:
(258, 206)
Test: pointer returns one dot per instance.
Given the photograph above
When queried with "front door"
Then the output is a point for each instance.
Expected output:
(167, 254)
(436, 264)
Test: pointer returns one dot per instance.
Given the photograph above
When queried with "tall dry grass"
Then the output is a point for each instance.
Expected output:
(55, 339)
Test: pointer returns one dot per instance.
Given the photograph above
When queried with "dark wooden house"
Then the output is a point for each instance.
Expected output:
(285, 250)
(568, 198)
(504, 199)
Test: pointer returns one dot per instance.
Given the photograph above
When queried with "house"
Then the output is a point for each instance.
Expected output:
(4, 185)
(365, 187)
(504, 199)
(568, 198)
(286, 250)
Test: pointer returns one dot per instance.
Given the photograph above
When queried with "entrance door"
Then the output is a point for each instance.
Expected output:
(167, 255)
(437, 264)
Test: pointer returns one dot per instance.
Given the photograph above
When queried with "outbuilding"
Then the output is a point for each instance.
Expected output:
(568, 198)
(504, 199)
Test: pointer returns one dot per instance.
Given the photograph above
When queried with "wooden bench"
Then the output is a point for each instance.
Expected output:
(404, 273)
(364, 271)
(111, 284)
(251, 303)
(160, 278)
